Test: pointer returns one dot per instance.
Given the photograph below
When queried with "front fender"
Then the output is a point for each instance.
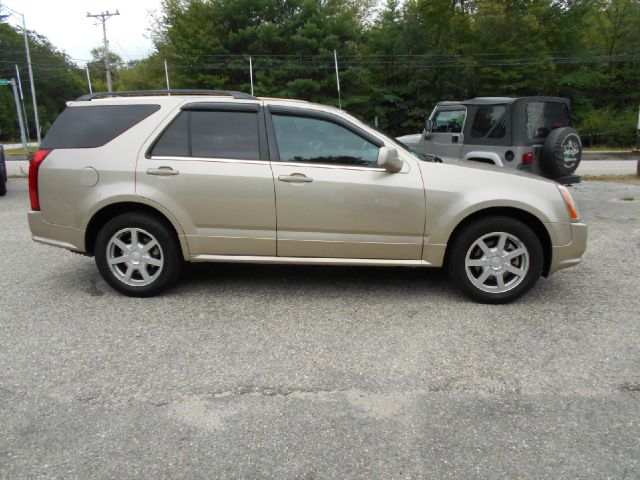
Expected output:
(455, 192)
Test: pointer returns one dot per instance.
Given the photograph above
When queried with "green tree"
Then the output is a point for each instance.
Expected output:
(57, 80)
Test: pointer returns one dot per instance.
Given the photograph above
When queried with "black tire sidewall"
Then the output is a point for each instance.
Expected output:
(164, 235)
(3, 174)
(472, 232)
(562, 152)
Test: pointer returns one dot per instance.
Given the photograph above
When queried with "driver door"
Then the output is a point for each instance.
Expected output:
(332, 199)
(446, 138)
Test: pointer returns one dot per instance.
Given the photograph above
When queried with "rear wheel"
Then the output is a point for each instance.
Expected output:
(138, 254)
(495, 259)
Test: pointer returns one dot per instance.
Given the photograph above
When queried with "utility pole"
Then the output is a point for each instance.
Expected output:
(103, 17)
(24, 110)
(335, 57)
(25, 34)
(251, 73)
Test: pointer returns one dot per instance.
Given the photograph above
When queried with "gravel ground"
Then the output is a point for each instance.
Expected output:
(309, 372)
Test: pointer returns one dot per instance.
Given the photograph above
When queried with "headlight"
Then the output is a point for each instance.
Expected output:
(568, 201)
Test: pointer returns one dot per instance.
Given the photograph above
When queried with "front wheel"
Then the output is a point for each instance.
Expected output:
(495, 259)
(138, 254)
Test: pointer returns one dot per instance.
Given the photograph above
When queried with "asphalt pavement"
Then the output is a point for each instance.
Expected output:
(321, 372)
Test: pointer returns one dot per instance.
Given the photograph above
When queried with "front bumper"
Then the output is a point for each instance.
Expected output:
(55, 235)
(571, 254)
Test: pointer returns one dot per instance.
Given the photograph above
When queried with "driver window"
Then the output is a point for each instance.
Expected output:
(448, 121)
(312, 140)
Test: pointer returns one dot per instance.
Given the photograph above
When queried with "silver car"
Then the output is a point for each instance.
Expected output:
(145, 181)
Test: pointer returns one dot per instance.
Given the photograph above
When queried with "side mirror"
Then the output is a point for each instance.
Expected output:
(428, 128)
(389, 160)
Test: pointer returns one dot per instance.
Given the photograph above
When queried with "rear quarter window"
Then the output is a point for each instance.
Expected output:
(542, 117)
(94, 126)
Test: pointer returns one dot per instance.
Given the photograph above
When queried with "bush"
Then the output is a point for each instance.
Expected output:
(609, 126)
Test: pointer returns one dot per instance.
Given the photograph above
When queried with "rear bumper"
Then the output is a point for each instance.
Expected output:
(55, 235)
(571, 254)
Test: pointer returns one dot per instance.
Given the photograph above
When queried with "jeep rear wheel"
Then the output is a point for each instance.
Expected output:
(495, 259)
(138, 255)
(561, 153)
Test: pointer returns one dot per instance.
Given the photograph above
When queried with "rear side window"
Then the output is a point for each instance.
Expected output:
(174, 141)
(542, 117)
(95, 125)
(225, 135)
(489, 122)
(211, 134)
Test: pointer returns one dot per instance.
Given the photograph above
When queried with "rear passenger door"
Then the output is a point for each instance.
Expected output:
(209, 167)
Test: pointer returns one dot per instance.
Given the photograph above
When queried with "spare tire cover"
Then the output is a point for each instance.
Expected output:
(561, 153)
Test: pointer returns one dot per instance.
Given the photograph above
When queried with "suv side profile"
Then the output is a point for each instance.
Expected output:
(145, 181)
(531, 134)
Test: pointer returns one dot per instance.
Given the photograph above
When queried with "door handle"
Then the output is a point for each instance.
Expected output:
(295, 178)
(162, 171)
(454, 138)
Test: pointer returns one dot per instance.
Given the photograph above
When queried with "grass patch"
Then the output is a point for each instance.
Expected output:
(612, 178)
(608, 149)
(19, 151)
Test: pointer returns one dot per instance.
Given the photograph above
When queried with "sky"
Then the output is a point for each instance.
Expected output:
(65, 24)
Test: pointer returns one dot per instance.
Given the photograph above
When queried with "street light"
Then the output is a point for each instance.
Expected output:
(28, 53)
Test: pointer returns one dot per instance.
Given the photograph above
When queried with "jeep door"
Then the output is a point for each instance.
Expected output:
(209, 168)
(446, 137)
(333, 201)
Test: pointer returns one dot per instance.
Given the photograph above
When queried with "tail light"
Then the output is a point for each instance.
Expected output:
(34, 167)
(527, 158)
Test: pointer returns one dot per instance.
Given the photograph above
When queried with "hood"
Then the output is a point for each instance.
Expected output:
(410, 140)
(512, 172)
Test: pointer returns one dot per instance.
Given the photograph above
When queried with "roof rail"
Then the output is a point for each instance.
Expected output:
(141, 93)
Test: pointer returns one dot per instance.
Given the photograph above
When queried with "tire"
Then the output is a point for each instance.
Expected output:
(476, 272)
(3, 173)
(561, 153)
(146, 268)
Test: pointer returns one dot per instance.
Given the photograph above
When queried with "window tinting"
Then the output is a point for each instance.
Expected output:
(94, 125)
(448, 121)
(218, 134)
(542, 117)
(311, 140)
(174, 141)
(489, 122)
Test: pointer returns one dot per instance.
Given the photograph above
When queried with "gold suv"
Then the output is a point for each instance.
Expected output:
(147, 180)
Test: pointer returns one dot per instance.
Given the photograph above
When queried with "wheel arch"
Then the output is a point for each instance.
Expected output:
(490, 158)
(107, 212)
(525, 217)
